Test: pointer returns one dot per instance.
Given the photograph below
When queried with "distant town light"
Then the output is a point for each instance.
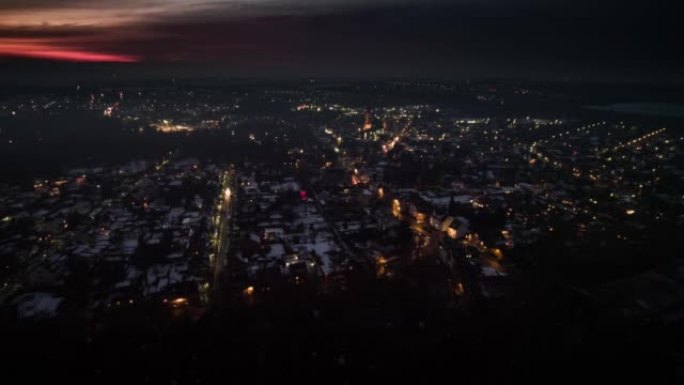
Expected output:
(497, 253)
(179, 302)
(396, 208)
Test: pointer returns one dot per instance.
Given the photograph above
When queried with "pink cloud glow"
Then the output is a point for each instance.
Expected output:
(28, 49)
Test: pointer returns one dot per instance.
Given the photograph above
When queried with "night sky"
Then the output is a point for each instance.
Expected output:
(550, 39)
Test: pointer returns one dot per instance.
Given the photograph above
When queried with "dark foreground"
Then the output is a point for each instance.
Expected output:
(354, 338)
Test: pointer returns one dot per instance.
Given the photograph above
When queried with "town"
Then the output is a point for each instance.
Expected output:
(247, 199)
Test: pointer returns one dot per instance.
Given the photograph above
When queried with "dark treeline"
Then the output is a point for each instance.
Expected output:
(374, 331)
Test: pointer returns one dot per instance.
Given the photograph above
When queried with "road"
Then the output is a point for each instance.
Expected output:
(225, 214)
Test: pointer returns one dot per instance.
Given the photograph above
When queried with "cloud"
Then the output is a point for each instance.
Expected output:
(40, 33)
(334, 35)
(49, 49)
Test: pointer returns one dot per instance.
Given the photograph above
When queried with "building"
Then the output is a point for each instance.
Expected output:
(368, 120)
